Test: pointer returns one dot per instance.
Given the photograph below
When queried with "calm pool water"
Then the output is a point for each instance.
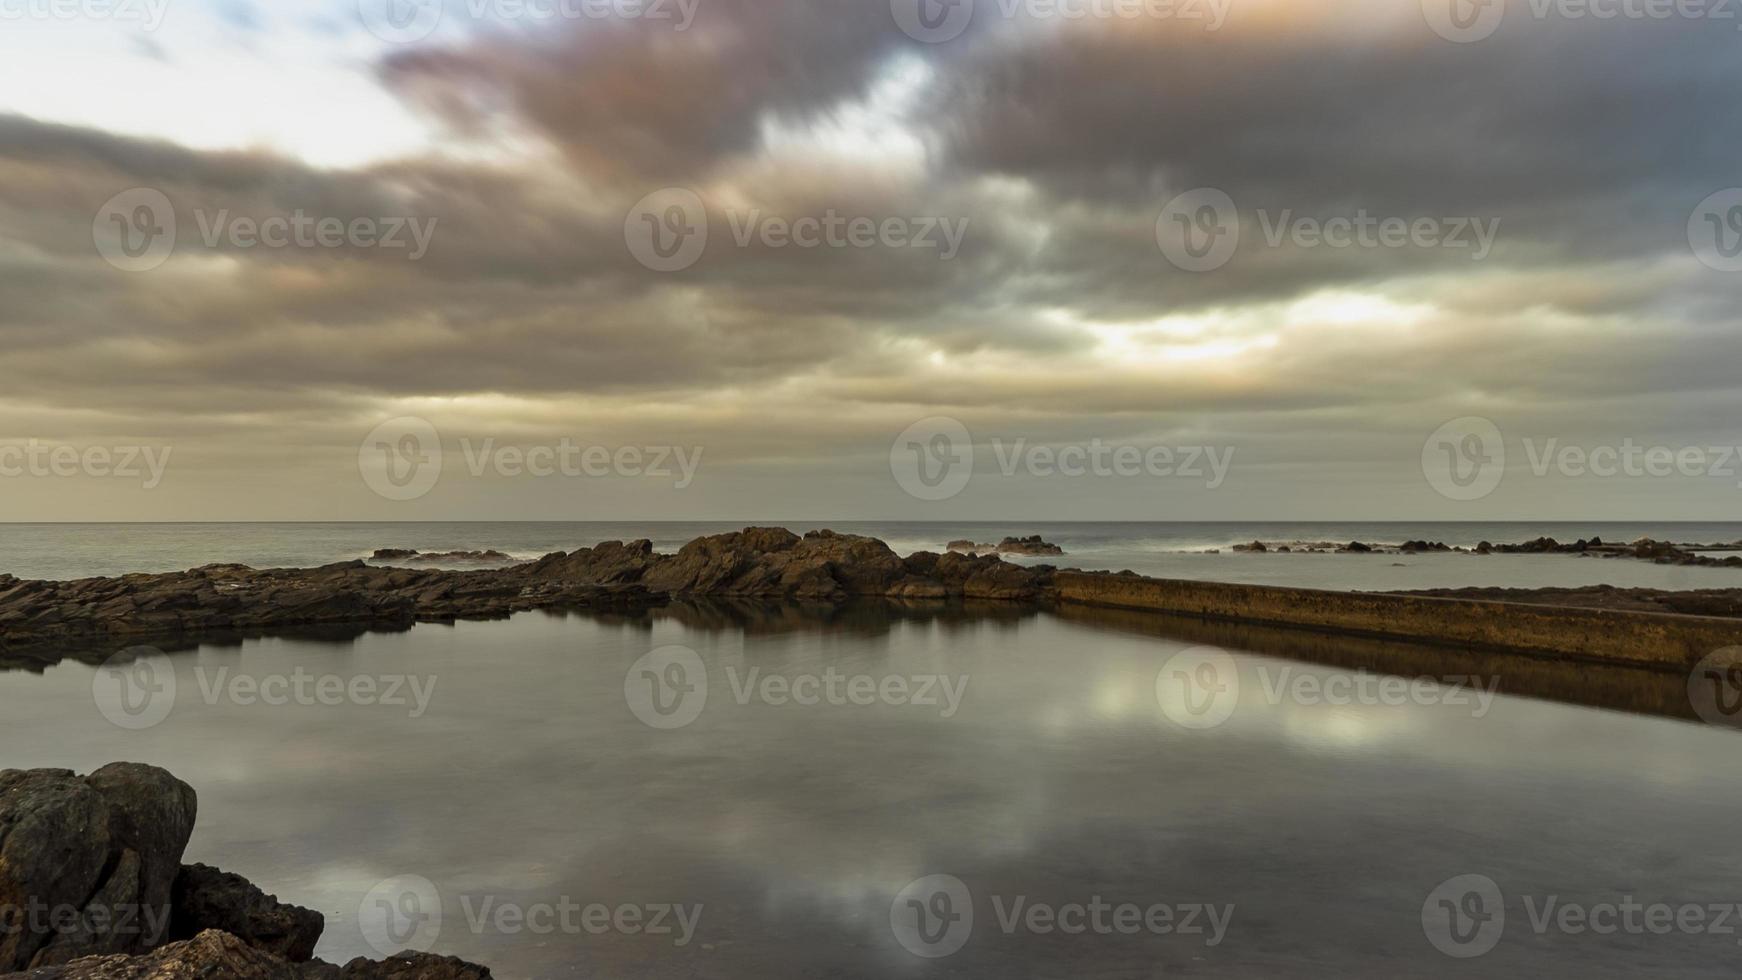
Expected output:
(1016, 792)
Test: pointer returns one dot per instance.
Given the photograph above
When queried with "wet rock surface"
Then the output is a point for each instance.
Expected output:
(415, 557)
(776, 563)
(1031, 546)
(206, 898)
(218, 598)
(42, 622)
(40, 619)
(87, 863)
(92, 888)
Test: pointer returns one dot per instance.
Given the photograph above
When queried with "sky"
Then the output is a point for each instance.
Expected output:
(870, 259)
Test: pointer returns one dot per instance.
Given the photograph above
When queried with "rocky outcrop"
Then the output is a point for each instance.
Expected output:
(87, 863)
(443, 557)
(1033, 546)
(238, 598)
(412, 966)
(38, 619)
(217, 955)
(211, 954)
(775, 563)
(92, 888)
(206, 898)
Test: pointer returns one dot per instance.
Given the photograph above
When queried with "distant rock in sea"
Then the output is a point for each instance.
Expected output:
(443, 557)
(1033, 546)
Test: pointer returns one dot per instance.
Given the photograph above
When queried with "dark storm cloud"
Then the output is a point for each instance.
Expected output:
(1057, 144)
(638, 100)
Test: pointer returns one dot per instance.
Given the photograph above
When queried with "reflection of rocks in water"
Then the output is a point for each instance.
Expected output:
(1633, 689)
(37, 659)
(858, 617)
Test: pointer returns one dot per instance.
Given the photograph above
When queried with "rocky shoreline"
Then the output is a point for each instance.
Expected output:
(40, 619)
(92, 887)
(1645, 549)
(42, 622)
(1032, 546)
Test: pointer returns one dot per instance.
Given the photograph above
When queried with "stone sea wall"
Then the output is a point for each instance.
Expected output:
(1658, 641)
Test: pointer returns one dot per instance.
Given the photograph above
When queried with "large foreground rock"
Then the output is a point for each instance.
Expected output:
(206, 898)
(92, 888)
(215, 955)
(87, 863)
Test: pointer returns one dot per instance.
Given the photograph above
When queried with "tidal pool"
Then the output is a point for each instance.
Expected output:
(893, 791)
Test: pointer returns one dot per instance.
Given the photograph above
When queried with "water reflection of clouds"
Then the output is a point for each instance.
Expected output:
(529, 777)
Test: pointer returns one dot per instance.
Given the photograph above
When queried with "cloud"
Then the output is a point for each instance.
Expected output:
(1053, 144)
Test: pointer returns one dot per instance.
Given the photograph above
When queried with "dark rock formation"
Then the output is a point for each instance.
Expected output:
(443, 557)
(216, 955)
(1414, 547)
(91, 888)
(1356, 548)
(211, 954)
(1256, 547)
(87, 862)
(206, 898)
(413, 966)
(237, 598)
(1031, 546)
(775, 563)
